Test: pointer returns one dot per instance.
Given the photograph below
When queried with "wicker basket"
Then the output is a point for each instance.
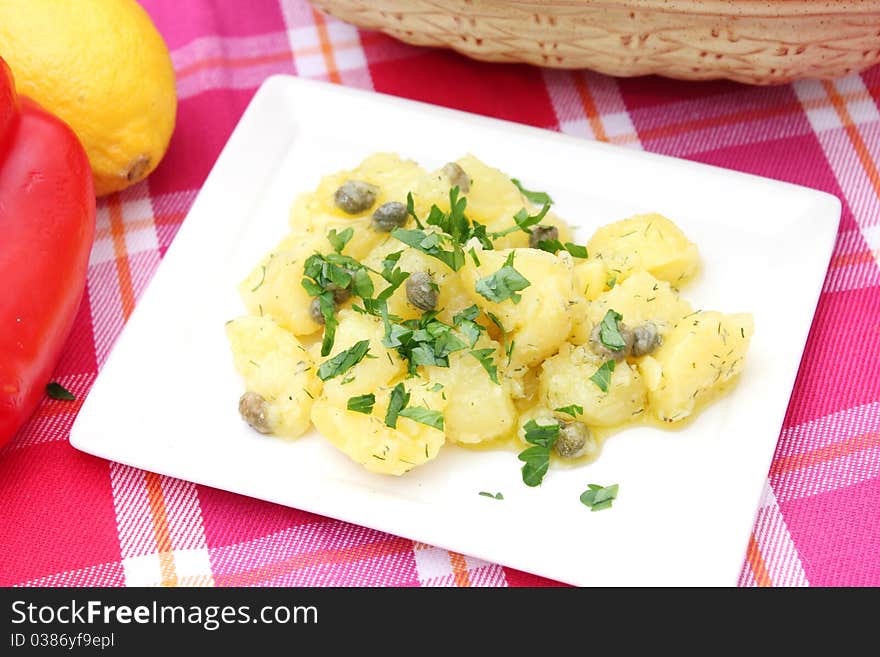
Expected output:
(769, 42)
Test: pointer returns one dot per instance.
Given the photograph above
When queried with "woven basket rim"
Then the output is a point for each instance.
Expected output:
(767, 8)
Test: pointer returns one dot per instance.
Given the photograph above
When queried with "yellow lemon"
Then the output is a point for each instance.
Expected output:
(101, 66)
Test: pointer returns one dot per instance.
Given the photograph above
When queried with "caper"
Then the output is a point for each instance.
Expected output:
(574, 438)
(355, 196)
(315, 310)
(457, 177)
(542, 234)
(254, 410)
(341, 294)
(421, 291)
(599, 348)
(645, 339)
(389, 216)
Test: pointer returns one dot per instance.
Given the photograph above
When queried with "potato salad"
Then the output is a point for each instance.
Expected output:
(408, 309)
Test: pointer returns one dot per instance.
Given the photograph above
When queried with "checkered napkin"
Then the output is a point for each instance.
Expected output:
(67, 518)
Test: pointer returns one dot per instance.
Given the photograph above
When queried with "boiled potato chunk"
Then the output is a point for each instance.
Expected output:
(274, 286)
(541, 321)
(698, 356)
(646, 241)
(640, 298)
(478, 409)
(375, 370)
(590, 278)
(393, 176)
(368, 441)
(565, 379)
(278, 368)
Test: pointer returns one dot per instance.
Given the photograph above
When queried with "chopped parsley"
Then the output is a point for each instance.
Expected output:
(602, 376)
(339, 240)
(572, 409)
(539, 198)
(324, 275)
(57, 391)
(575, 250)
(496, 496)
(609, 331)
(555, 246)
(464, 322)
(542, 437)
(397, 402)
(453, 229)
(599, 497)
(397, 407)
(425, 341)
(423, 416)
(362, 403)
(524, 221)
(503, 284)
(496, 321)
(429, 244)
(484, 356)
(343, 361)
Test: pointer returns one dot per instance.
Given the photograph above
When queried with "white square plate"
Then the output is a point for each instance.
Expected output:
(166, 400)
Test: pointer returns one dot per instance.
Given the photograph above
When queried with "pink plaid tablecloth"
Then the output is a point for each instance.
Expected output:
(70, 519)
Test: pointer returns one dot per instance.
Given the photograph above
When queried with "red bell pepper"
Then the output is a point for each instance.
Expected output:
(47, 224)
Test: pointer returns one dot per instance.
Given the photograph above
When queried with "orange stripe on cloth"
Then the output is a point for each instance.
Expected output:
(589, 106)
(855, 137)
(120, 252)
(337, 556)
(824, 454)
(459, 569)
(53, 408)
(857, 258)
(239, 62)
(326, 47)
(160, 526)
(757, 564)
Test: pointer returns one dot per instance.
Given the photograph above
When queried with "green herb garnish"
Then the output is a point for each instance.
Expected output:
(609, 331)
(602, 376)
(423, 416)
(496, 321)
(555, 246)
(464, 322)
(503, 284)
(599, 497)
(524, 221)
(362, 403)
(572, 409)
(484, 356)
(575, 250)
(429, 244)
(538, 198)
(339, 240)
(496, 496)
(537, 457)
(396, 403)
(57, 391)
(343, 361)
